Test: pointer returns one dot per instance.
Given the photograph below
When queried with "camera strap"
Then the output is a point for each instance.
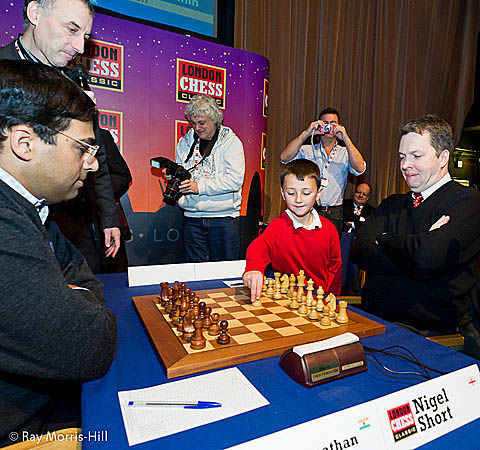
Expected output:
(206, 150)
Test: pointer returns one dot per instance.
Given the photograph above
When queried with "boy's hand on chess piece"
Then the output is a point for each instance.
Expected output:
(254, 281)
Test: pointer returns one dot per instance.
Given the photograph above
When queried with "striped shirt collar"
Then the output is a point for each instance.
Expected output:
(315, 223)
(39, 204)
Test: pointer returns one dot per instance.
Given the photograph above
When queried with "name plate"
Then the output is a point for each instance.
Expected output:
(402, 420)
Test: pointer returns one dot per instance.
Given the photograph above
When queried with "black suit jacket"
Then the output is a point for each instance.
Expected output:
(350, 216)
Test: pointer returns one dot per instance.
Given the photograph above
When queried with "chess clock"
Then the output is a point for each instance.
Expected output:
(324, 361)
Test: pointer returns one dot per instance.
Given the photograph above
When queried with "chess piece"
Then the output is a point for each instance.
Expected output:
(284, 282)
(303, 309)
(188, 327)
(264, 286)
(198, 340)
(313, 314)
(224, 338)
(320, 303)
(175, 288)
(183, 311)
(207, 321)
(176, 312)
(342, 316)
(214, 329)
(257, 302)
(310, 289)
(270, 290)
(195, 307)
(277, 295)
(331, 301)
(164, 291)
(294, 303)
(326, 317)
(291, 287)
(300, 284)
(201, 310)
(277, 276)
(182, 288)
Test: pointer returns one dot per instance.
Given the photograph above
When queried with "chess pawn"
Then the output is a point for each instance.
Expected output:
(342, 316)
(326, 317)
(224, 338)
(313, 314)
(198, 341)
(270, 290)
(294, 303)
(257, 302)
(303, 309)
(291, 287)
(214, 329)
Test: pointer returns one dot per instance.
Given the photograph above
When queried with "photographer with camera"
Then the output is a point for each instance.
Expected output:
(211, 198)
(335, 160)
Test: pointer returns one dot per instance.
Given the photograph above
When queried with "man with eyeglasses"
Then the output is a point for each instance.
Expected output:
(55, 330)
(356, 210)
(55, 33)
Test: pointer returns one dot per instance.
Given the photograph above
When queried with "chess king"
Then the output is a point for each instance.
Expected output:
(299, 239)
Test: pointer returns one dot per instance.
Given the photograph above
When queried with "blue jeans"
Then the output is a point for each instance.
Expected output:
(211, 238)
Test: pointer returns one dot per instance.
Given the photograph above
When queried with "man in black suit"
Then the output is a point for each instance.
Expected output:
(356, 210)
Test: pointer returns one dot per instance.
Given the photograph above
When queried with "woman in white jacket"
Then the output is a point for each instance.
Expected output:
(212, 197)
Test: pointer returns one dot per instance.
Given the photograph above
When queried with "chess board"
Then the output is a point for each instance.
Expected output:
(256, 332)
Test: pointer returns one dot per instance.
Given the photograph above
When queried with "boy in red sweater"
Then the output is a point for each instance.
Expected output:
(299, 238)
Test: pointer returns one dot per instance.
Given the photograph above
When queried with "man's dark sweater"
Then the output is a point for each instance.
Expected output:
(426, 279)
(53, 337)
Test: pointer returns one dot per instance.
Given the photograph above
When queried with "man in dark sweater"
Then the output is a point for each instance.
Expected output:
(421, 249)
(55, 330)
(55, 33)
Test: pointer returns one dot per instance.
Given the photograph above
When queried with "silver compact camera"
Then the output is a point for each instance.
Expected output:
(327, 128)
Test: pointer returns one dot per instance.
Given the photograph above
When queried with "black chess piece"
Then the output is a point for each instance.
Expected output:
(198, 341)
(224, 338)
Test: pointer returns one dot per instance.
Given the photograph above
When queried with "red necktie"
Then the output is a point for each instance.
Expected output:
(417, 199)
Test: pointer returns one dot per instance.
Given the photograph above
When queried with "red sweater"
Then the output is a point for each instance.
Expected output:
(289, 250)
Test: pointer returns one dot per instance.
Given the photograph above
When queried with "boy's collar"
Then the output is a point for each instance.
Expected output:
(315, 222)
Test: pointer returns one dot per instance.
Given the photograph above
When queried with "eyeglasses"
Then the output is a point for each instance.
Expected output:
(90, 150)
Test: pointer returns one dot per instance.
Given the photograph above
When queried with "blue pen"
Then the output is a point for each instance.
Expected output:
(186, 405)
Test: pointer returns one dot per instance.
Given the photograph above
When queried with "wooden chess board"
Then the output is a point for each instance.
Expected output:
(256, 332)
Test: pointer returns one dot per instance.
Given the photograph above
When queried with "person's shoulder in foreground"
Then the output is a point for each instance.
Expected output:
(297, 239)
(55, 329)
